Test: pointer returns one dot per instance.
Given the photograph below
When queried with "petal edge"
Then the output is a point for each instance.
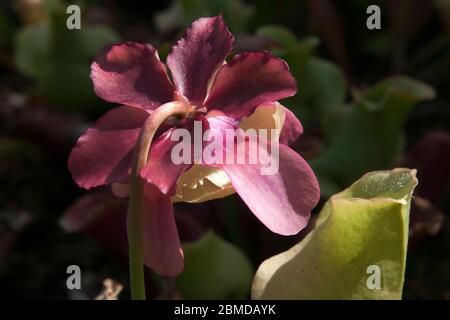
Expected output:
(195, 57)
(131, 73)
(249, 79)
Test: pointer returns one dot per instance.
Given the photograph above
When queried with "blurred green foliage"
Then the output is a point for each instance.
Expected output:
(368, 133)
(322, 85)
(7, 30)
(59, 58)
(214, 269)
(181, 13)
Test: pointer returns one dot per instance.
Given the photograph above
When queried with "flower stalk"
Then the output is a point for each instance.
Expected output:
(136, 197)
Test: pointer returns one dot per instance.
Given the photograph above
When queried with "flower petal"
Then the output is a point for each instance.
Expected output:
(202, 183)
(273, 115)
(162, 249)
(103, 154)
(160, 170)
(292, 127)
(248, 80)
(131, 73)
(196, 57)
(282, 201)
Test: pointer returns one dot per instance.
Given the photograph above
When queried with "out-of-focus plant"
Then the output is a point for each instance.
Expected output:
(322, 84)
(362, 232)
(182, 12)
(215, 269)
(7, 30)
(59, 58)
(368, 133)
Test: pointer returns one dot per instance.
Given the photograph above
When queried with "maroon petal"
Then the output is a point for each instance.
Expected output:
(103, 154)
(292, 128)
(196, 57)
(283, 200)
(131, 74)
(162, 248)
(160, 171)
(248, 80)
(220, 122)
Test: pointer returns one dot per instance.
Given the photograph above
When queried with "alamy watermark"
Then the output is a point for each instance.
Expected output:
(73, 21)
(373, 282)
(74, 279)
(374, 20)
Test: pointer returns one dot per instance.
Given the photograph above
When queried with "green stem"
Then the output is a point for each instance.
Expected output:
(136, 199)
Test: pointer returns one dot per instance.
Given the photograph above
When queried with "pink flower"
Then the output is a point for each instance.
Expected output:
(241, 92)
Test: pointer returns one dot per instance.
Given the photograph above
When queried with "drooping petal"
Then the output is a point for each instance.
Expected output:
(162, 248)
(103, 154)
(195, 58)
(160, 169)
(248, 80)
(282, 201)
(131, 74)
(202, 182)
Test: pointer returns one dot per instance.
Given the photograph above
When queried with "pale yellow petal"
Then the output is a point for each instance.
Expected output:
(202, 183)
(266, 116)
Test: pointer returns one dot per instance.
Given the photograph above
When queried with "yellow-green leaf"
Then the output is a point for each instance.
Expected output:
(357, 249)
